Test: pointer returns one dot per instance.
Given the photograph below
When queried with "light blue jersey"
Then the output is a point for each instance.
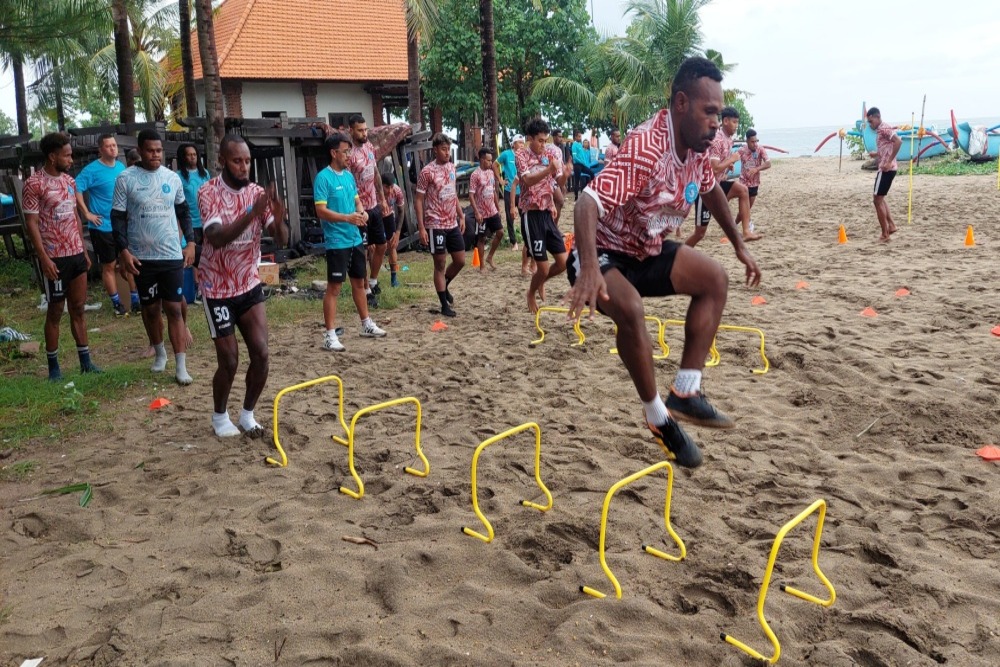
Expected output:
(509, 168)
(98, 181)
(338, 192)
(191, 186)
(149, 197)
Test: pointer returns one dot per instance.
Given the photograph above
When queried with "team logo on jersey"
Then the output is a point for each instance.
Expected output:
(451, 176)
(166, 189)
(371, 156)
(691, 193)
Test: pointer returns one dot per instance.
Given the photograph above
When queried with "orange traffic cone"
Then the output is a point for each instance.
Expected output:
(475, 257)
(970, 239)
(842, 238)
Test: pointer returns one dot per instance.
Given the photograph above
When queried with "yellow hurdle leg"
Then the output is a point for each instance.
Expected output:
(664, 348)
(538, 478)
(296, 387)
(763, 357)
(541, 332)
(357, 495)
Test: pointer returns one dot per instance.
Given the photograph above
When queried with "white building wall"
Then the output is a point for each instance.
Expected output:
(261, 96)
(343, 98)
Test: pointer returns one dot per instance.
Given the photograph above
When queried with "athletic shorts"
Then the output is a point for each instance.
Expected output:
(160, 279)
(541, 234)
(374, 232)
(650, 277)
(389, 224)
(446, 240)
(726, 186)
(883, 181)
(69, 268)
(345, 262)
(702, 216)
(199, 240)
(104, 246)
(489, 226)
(753, 190)
(224, 314)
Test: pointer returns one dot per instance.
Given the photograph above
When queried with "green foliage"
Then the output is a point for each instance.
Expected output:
(955, 163)
(856, 145)
(15, 472)
(7, 124)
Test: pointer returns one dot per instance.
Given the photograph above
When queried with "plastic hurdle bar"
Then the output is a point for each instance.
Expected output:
(304, 385)
(357, 495)
(648, 549)
(538, 478)
(713, 352)
(820, 506)
(553, 309)
(763, 357)
(660, 328)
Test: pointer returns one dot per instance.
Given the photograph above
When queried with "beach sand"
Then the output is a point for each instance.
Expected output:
(204, 555)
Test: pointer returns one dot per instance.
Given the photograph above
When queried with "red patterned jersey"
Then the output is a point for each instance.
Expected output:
(883, 146)
(752, 159)
(437, 183)
(394, 197)
(610, 152)
(362, 165)
(483, 193)
(53, 198)
(721, 146)
(231, 270)
(537, 197)
(647, 191)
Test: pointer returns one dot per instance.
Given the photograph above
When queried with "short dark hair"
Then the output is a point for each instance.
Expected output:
(52, 143)
(355, 119)
(729, 112)
(132, 156)
(440, 139)
(873, 112)
(557, 132)
(228, 140)
(536, 126)
(485, 151)
(751, 133)
(148, 135)
(334, 141)
(388, 180)
(690, 71)
(104, 137)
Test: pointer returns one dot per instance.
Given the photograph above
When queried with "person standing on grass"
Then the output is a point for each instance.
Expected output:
(623, 254)
(887, 144)
(50, 214)
(339, 206)
(97, 182)
(193, 175)
(365, 170)
(147, 209)
(486, 206)
(440, 219)
(394, 223)
(235, 213)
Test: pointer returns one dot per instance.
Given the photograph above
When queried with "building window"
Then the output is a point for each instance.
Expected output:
(338, 120)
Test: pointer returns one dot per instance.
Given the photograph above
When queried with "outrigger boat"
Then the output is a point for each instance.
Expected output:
(914, 145)
(980, 143)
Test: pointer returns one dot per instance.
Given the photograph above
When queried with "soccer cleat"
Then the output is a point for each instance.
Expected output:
(119, 309)
(332, 344)
(136, 308)
(372, 301)
(696, 409)
(376, 289)
(371, 331)
(448, 311)
(676, 444)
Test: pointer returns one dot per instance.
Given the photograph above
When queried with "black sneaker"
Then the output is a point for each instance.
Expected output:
(372, 300)
(119, 309)
(448, 297)
(376, 289)
(676, 444)
(696, 409)
(448, 311)
(136, 309)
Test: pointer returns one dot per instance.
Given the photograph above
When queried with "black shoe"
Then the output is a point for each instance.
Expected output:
(676, 444)
(119, 309)
(448, 311)
(376, 289)
(696, 409)
(372, 300)
(448, 296)
(90, 369)
(136, 309)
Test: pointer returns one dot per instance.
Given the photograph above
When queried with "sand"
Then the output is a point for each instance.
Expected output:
(204, 555)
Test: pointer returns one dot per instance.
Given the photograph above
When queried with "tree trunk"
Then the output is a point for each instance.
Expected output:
(123, 58)
(20, 94)
(60, 108)
(490, 111)
(187, 61)
(413, 79)
(213, 84)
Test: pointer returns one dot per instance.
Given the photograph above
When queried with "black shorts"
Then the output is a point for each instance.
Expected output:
(69, 268)
(541, 235)
(160, 279)
(726, 186)
(702, 216)
(199, 239)
(753, 190)
(374, 232)
(650, 277)
(345, 263)
(489, 226)
(883, 181)
(389, 224)
(446, 240)
(104, 246)
(224, 314)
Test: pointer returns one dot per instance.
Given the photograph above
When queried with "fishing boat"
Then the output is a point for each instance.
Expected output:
(981, 143)
(914, 145)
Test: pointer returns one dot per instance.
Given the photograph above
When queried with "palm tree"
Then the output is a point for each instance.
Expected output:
(491, 111)
(187, 61)
(422, 18)
(123, 62)
(213, 84)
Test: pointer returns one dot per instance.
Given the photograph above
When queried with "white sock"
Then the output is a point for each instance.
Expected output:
(182, 375)
(372, 282)
(160, 360)
(687, 382)
(247, 421)
(368, 290)
(224, 427)
(331, 333)
(656, 411)
(367, 322)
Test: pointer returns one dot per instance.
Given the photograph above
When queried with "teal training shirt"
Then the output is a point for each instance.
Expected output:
(191, 186)
(337, 191)
(508, 165)
(98, 180)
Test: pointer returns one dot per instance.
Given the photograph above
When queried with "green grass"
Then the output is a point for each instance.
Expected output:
(955, 163)
(15, 472)
(5, 613)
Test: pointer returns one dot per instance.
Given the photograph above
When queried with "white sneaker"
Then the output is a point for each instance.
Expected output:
(371, 331)
(332, 344)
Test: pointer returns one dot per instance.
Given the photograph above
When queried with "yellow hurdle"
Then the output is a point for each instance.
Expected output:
(357, 495)
(713, 352)
(648, 549)
(660, 328)
(553, 309)
(763, 357)
(287, 390)
(820, 506)
(538, 478)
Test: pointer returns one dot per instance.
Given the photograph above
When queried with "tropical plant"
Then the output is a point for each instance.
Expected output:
(489, 56)
(216, 126)
(422, 18)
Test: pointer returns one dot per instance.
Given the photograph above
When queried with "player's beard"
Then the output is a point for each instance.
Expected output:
(240, 183)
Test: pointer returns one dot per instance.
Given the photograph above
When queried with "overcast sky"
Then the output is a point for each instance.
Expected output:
(811, 63)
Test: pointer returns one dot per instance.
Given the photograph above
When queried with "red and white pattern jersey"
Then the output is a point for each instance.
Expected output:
(394, 197)
(537, 197)
(437, 183)
(362, 165)
(231, 270)
(610, 152)
(721, 146)
(53, 199)
(647, 191)
(752, 159)
(483, 192)
(883, 146)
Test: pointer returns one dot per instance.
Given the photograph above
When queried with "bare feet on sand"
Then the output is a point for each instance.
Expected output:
(752, 237)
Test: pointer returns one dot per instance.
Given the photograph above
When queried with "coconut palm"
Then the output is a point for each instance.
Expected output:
(216, 127)
(187, 60)
(124, 74)
(422, 18)
(491, 111)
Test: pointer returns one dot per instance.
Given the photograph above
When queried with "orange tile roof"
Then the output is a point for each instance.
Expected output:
(322, 40)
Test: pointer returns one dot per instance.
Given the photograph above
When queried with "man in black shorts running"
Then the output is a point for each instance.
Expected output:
(440, 219)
